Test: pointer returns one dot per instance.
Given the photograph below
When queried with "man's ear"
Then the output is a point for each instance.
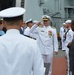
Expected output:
(4, 23)
(21, 23)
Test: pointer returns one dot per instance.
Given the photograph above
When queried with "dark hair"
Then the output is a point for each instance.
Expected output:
(13, 18)
(29, 22)
(0, 21)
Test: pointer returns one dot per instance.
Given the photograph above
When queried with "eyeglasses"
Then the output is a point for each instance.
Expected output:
(45, 20)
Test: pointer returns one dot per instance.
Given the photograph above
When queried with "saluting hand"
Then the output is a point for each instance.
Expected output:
(39, 23)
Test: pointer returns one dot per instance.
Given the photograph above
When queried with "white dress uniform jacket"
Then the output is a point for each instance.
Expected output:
(69, 37)
(47, 39)
(62, 32)
(19, 55)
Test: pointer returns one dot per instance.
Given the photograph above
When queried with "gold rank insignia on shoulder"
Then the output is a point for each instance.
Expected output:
(53, 27)
(50, 33)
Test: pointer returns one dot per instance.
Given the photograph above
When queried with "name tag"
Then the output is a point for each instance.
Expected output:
(42, 31)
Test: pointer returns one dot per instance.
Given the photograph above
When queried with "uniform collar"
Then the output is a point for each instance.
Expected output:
(28, 28)
(47, 26)
(12, 31)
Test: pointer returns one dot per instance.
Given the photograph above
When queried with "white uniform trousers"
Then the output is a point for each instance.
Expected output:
(48, 59)
(67, 56)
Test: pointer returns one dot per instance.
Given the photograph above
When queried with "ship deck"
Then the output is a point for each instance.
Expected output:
(59, 64)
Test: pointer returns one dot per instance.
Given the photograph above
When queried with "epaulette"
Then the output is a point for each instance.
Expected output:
(30, 37)
(53, 27)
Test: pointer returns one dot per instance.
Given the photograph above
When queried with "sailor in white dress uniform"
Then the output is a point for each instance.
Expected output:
(47, 40)
(27, 32)
(68, 38)
(62, 32)
(19, 55)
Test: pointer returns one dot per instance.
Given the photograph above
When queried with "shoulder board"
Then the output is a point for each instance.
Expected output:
(53, 27)
(30, 37)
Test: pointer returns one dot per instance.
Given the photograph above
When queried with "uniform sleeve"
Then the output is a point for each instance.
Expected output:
(34, 28)
(55, 40)
(61, 32)
(38, 66)
(69, 37)
(27, 32)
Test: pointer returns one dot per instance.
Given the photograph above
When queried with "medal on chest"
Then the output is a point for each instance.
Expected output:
(50, 33)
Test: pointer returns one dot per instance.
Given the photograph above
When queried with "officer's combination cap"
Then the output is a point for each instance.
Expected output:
(13, 13)
(46, 17)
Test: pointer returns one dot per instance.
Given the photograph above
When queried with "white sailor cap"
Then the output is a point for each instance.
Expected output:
(12, 12)
(28, 21)
(64, 24)
(68, 21)
(46, 17)
(35, 21)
